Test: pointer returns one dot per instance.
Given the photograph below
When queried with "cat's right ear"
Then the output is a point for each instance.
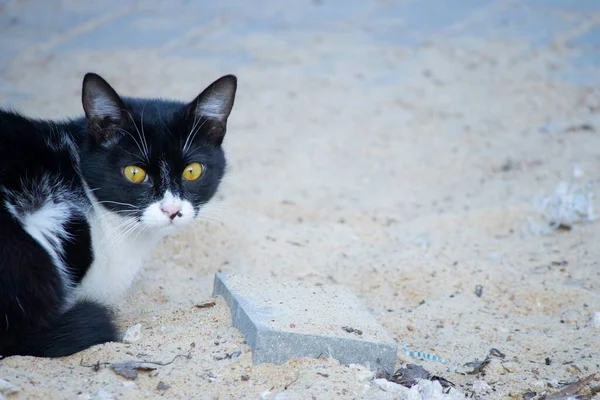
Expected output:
(103, 108)
(214, 105)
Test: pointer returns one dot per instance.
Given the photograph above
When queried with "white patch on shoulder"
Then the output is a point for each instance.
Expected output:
(47, 226)
(12, 209)
(44, 207)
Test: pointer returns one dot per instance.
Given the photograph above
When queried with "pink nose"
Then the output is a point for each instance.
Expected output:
(171, 210)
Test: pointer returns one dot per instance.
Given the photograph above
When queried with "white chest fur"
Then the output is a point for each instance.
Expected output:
(119, 252)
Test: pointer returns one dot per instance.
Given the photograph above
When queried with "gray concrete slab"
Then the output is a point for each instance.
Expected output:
(282, 320)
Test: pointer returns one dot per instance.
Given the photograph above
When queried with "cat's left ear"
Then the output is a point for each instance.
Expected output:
(103, 108)
(100, 101)
(214, 105)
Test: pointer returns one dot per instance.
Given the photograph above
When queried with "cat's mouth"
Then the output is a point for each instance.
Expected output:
(165, 223)
(174, 219)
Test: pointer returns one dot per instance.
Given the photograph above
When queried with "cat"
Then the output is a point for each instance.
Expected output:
(82, 202)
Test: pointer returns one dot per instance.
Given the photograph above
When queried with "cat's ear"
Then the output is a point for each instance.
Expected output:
(214, 105)
(103, 107)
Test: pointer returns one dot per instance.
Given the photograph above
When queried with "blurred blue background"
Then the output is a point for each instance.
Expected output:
(212, 28)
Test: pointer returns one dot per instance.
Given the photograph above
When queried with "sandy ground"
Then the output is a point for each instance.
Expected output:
(404, 171)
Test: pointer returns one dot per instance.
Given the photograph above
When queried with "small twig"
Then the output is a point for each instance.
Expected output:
(187, 356)
(571, 389)
(96, 366)
(497, 353)
(206, 305)
(290, 384)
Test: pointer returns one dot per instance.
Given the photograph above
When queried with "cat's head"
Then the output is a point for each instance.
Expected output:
(154, 163)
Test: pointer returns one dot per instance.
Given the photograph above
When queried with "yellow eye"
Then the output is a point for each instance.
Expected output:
(192, 172)
(134, 174)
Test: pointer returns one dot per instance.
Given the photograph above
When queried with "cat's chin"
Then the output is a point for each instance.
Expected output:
(167, 228)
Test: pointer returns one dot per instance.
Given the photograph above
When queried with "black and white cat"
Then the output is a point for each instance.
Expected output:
(82, 202)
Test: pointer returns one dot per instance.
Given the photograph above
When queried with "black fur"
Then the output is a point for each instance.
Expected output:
(84, 325)
(78, 252)
(50, 163)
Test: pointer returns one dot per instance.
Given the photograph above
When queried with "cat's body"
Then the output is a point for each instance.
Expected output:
(84, 201)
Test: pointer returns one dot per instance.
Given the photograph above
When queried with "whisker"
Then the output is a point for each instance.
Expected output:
(140, 136)
(193, 134)
(188, 136)
(143, 138)
(134, 208)
(140, 231)
(123, 230)
(126, 212)
(189, 154)
(139, 146)
(117, 202)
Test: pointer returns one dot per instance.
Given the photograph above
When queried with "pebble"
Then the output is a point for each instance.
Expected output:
(538, 386)
(495, 369)
(7, 388)
(511, 367)
(364, 375)
(133, 334)
(577, 171)
(421, 241)
(129, 385)
(596, 320)
(481, 387)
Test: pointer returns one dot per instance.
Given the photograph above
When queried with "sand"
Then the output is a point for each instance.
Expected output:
(405, 175)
